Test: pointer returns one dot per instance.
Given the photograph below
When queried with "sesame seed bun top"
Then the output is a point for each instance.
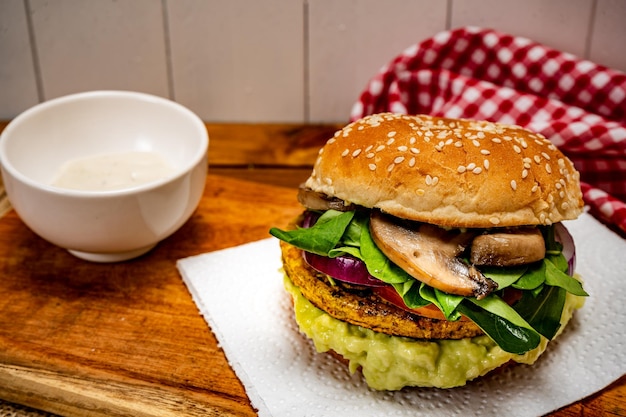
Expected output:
(450, 172)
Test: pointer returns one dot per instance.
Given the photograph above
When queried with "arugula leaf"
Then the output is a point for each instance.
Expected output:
(448, 304)
(509, 336)
(544, 310)
(504, 277)
(496, 305)
(378, 265)
(410, 292)
(322, 236)
(557, 278)
(533, 278)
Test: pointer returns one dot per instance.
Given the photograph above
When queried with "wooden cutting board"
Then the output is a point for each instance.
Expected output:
(86, 339)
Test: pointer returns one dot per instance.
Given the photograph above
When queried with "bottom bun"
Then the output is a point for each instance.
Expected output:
(394, 362)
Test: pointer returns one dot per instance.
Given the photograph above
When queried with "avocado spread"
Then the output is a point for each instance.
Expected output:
(392, 362)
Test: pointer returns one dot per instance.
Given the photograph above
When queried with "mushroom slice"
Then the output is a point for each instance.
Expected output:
(508, 248)
(429, 254)
(319, 201)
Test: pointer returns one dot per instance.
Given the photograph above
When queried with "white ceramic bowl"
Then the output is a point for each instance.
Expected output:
(111, 225)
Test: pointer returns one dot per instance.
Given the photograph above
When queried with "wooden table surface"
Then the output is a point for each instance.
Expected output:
(84, 339)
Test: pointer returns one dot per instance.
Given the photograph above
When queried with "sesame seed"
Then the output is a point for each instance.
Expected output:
(537, 159)
(372, 167)
(494, 220)
(391, 134)
(524, 173)
(435, 180)
(548, 169)
(420, 192)
(390, 141)
(564, 205)
(517, 149)
(380, 148)
(471, 166)
(412, 162)
(458, 144)
(476, 143)
(415, 151)
(356, 153)
(477, 170)
(513, 185)
(461, 169)
(562, 194)
(558, 185)
(369, 148)
(332, 140)
(535, 188)
(403, 148)
(398, 159)
(390, 167)
(370, 155)
(412, 140)
(545, 155)
(429, 180)
(486, 164)
(345, 152)
(485, 152)
(496, 140)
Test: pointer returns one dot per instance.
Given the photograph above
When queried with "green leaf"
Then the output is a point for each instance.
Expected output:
(544, 310)
(533, 278)
(321, 237)
(378, 265)
(558, 278)
(496, 305)
(510, 337)
(504, 277)
(410, 292)
(448, 304)
(352, 235)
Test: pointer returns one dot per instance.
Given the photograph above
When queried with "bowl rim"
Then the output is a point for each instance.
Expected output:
(201, 153)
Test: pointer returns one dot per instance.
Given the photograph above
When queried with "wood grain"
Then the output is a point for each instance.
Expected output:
(71, 326)
(83, 339)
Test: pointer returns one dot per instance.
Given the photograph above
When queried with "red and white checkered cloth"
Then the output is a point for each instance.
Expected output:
(484, 74)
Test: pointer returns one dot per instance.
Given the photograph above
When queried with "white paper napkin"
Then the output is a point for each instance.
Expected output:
(239, 292)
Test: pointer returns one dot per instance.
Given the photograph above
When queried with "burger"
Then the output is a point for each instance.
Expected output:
(431, 251)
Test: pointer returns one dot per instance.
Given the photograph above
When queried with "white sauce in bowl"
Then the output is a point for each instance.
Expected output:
(112, 171)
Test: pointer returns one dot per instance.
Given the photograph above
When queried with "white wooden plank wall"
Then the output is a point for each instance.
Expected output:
(261, 61)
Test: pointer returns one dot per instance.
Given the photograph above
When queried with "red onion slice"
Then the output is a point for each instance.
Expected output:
(343, 268)
(562, 235)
